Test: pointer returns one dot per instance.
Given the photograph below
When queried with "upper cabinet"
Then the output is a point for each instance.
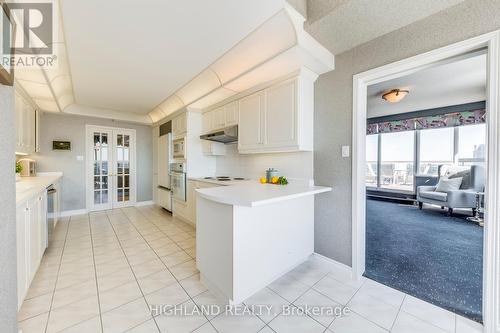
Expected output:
(250, 130)
(224, 116)
(27, 124)
(179, 125)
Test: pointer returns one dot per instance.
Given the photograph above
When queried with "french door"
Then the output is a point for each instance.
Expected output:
(110, 167)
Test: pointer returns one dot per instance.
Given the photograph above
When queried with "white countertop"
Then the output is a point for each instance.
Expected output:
(253, 193)
(28, 187)
(218, 182)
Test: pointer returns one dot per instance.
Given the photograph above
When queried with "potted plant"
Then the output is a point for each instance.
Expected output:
(19, 168)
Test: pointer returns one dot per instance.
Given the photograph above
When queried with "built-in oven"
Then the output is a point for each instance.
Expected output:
(179, 148)
(178, 180)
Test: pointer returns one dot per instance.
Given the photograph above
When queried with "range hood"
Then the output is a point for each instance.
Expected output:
(225, 135)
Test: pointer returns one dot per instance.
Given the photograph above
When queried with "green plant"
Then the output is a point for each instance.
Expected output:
(19, 167)
(282, 180)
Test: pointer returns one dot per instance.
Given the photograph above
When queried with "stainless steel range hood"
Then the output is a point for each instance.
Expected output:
(225, 135)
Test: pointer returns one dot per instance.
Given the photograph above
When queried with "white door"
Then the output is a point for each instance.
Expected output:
(110, 168)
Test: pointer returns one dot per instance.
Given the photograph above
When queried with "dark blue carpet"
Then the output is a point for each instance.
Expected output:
(426, 254)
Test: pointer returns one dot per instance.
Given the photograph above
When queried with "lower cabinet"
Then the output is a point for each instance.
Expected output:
(31, 237)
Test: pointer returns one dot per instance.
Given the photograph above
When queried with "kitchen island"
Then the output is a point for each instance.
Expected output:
(248, 235)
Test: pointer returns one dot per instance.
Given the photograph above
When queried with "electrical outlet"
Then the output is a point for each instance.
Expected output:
(345, 151)
(79, 158)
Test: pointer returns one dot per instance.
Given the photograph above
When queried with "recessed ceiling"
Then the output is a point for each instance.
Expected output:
(129, 55)
(452, 83)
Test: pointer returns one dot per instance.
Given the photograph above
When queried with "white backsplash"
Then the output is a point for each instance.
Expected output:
(297, 165)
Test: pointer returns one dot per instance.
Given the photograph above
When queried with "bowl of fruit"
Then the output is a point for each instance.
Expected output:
(281, 180)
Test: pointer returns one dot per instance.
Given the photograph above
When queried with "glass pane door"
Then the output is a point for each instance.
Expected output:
(123, 167)
(101, 172)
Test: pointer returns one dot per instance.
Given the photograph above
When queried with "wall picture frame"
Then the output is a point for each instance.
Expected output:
(58, 145)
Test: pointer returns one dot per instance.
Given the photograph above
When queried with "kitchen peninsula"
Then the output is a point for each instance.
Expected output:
(248, 235)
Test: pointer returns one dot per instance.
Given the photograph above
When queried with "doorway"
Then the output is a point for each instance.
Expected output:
(490, 41)
(111, 167)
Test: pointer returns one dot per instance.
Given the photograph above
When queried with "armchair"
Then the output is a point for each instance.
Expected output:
(465, 197)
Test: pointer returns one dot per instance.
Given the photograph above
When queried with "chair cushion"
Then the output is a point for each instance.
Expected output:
(446, 184)
(433, 195)
(459, 171)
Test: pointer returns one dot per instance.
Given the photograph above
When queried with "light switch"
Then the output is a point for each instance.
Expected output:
(79, 158)
(345, 151)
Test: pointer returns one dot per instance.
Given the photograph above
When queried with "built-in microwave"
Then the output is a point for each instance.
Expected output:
(179, 148)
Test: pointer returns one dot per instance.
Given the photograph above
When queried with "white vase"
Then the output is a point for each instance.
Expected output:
(18, 177)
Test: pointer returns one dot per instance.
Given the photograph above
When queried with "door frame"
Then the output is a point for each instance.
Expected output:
(89, 185)
(491, 252)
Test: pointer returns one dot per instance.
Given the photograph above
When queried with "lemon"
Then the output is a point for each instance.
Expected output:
(263, 180)
(274, 180)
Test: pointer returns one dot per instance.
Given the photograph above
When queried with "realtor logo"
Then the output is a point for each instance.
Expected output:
(33, 28)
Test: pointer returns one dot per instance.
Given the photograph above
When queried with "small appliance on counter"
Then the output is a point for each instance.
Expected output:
(29, 167)
(270, 173)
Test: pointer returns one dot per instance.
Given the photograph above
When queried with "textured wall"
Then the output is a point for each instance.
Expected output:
(72, 128)
(333, 108)
(8, 270)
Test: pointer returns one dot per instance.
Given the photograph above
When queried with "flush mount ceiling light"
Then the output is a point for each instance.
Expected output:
(395, 95)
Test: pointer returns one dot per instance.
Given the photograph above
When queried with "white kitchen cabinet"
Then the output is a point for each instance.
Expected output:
(213, 148)
(22, 250)
(251, 122)
(31, 237)
(231, 114)
(281, 115)
(26, 125)
(179, 125)
(207, 120)
(219, 118)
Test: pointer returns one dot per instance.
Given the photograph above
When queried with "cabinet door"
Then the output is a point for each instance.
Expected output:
(219, 120)
(42, 222)
(18, 102)
(37, 131)
(29, 128)
(231, 113)
(251, 115)
(34, 238)
(281, 115)
(183, 123)
(22, 253)
(207, 122)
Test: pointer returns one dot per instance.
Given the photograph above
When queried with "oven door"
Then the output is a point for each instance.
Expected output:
(179, 148)
(178, 184)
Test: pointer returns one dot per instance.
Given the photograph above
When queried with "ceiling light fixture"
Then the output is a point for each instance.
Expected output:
(395, 95)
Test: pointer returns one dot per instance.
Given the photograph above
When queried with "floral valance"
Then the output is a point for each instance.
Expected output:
(443, 120)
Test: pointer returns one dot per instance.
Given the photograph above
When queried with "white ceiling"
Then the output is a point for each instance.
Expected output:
(343, 24)
(129, 55)
(457, 82)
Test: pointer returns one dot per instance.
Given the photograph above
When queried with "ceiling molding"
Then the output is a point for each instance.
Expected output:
(88, 111)
(276, 48)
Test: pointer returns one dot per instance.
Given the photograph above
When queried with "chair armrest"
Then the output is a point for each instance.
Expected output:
(426, 188)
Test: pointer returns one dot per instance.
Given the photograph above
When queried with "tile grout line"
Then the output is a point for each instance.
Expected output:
(57, 276)
(178, 281)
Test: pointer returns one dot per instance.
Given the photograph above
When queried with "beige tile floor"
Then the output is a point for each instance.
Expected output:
(103, 270)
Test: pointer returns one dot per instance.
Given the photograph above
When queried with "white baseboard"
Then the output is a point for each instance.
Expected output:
(332, 264)
(144, 203)
(67, 213)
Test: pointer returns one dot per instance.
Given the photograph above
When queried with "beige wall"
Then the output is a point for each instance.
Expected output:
(333, 108)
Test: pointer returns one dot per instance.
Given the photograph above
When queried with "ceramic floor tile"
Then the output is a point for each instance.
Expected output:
(430, 313)
(126, 316)
(35, 324)
(406, 323)
(168, 296)
(327, 308)
(34, 307)
(91, 325)
(354, 323)
(288, 288)
(464, 325)
(146, 327)
(179, 323)
(295, 324)
(118, 296)
(206, 328)
(225, 323)
(115, 279)
(156, 281)
(272, 304)
(335, 290)
(148, 268)
(308, 273)
(72, 314)
(380, 291)
(374, 310)
(184, 270)
(206, 300)
(175, 258)
(192, 285)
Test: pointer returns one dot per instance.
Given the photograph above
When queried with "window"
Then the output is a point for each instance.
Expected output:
(436, 148)
(371, 159)
(397, 160)
(471, 144)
